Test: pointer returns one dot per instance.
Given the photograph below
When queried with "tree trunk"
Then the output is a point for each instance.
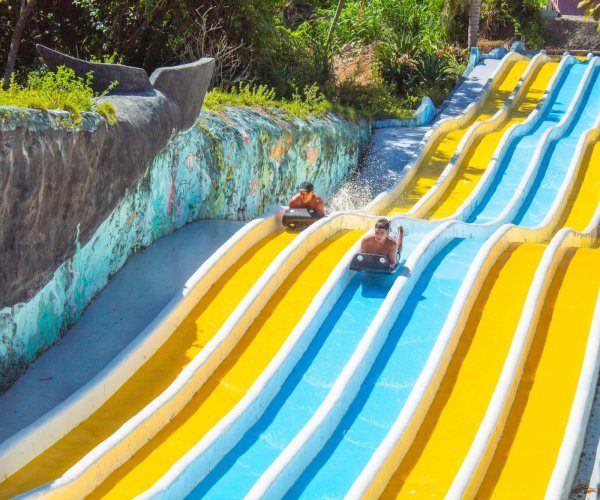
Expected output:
(24, 13)
(473, 34)
(338, 11)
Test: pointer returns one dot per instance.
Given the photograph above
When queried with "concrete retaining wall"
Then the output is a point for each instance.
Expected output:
(234, 165)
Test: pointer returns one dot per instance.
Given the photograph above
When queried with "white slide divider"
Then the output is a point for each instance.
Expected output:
(382, 202)
(307, 443)
(185, 474)
(28, 443)
(100, 462)
(475, 133)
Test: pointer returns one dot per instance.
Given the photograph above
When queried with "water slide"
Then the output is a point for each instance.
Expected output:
(181, 346)
(223, 347)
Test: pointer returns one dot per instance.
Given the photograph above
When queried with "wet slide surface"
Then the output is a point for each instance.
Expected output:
(535, 426)
(390, 380)
(557, 159)
(586, 192)
(441, 153)
(306, 387)
(481, 152)
(520, 153)
(157, 373)
(235, 375)
(455, 414)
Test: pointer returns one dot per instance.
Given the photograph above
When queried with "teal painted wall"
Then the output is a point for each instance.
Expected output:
(230, 165)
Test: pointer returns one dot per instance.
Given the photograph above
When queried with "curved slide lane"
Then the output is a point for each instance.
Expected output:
(306, 386)
(479, 155)
(460, 403)
(158, 372)
(229, 382)
(394, 372)
(548, 383)
(558, 157)
(434, 160)
(521, 152)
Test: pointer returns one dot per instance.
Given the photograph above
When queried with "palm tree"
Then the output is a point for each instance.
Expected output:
(473, 33)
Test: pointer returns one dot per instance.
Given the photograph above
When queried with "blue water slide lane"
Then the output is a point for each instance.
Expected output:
(306, 386)
(558, 157)
(520, 152)
(391, 377)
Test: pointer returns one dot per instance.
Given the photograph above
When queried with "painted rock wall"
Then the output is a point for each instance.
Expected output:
(235, 165)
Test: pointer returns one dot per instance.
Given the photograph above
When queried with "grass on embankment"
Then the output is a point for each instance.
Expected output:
(60, 90)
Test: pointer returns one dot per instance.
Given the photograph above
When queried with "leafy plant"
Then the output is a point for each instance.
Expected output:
(61, 89)
(308, 101)
(433, 69)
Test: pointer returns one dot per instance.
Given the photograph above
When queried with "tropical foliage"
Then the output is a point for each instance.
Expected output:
(56, 90)
(284, 45)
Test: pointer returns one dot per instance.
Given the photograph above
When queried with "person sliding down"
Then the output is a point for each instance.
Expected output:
(381, 243)
(307, 198)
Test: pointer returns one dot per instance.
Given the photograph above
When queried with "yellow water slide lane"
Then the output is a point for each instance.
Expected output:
(461, 401)
(157, 373)
(440, 154)
(235, 375)
(584, 197)
(525, 456)
(480, 154)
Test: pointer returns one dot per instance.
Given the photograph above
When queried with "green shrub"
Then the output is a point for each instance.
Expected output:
(375, 100)
(61, 89)
(306, 102)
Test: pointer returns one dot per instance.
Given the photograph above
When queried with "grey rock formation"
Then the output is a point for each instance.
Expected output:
(59, 183)
(185, 86)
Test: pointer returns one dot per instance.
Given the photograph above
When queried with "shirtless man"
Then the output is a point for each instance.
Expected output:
(381, 243)
(307, 198)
